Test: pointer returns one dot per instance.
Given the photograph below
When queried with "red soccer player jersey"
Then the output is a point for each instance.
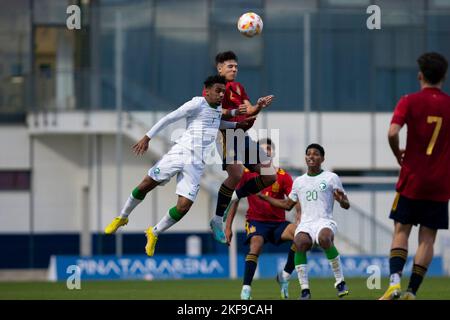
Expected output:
(425, 172)
(261, 210)
(235, 95)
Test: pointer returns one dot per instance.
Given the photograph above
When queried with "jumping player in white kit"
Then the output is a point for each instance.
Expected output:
(186, 158)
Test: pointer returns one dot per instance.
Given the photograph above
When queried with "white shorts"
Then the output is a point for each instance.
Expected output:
(179, 161)
(313, 228)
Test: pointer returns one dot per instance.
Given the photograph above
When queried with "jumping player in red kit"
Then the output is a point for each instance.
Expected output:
(236, 105)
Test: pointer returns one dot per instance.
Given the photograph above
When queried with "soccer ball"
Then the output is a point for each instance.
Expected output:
(250, 24)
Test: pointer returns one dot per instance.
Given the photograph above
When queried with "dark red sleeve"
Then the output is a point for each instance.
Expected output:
(287, 184)
(244, 95)
(401, 111)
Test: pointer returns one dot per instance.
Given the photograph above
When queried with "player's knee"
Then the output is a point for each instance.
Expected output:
(256, 249)
(297, 244)
(304, 245)
(325, 242)
(235, 175)
(147, 185)
(234, 179)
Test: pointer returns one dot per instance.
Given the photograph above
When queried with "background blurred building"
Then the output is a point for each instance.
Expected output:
(72, 102)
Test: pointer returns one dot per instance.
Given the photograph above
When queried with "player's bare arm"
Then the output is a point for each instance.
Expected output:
(394, 142)
(228, 114)
(229, 223)
(342, 198)
(286, 204)
(141, 146)
(262, 103)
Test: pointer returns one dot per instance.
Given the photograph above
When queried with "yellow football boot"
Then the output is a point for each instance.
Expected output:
(115, 224)
(392, 293)
(407, 296)
(151, 242)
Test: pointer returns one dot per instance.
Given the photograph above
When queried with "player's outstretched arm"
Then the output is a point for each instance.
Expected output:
(182, 112)
(286, 204)
(262, 103)
(141, 146)
(228, 114)
(229, 222)
(342, 198)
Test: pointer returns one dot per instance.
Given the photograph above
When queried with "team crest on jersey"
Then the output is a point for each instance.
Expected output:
(249, 228)
(276, 187)
(194, 192)
(322, 186)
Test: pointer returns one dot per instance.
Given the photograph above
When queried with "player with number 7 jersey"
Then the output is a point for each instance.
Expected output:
(423, 187)
(425, 165)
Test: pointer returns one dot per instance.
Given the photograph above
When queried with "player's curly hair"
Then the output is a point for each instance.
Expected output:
(211, 80)
(221, 57)
(433, 66)
(316, 146)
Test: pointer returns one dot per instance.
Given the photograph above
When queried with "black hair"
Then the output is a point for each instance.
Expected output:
(211, 80)
(225, 56)
(316, 146)
(433, 67)
(267, 141)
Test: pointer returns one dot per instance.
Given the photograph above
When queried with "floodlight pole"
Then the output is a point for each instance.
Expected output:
(307, 74)
(118, 53)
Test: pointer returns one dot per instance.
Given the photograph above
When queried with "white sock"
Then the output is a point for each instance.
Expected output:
(218, 219)
(165, 223)
(337, 269)
(302, 272)
(394, 279)
(129, 206)
(286, 276)
(246, 287)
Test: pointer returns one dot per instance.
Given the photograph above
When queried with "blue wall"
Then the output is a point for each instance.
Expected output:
(34, 251)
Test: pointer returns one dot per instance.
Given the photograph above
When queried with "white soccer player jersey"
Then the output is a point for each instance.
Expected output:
(315, 194)
(202, 124)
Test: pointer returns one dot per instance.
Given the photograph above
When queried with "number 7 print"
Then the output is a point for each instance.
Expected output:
(438, 120)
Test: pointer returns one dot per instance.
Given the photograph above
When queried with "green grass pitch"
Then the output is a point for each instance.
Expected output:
(264, 289)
